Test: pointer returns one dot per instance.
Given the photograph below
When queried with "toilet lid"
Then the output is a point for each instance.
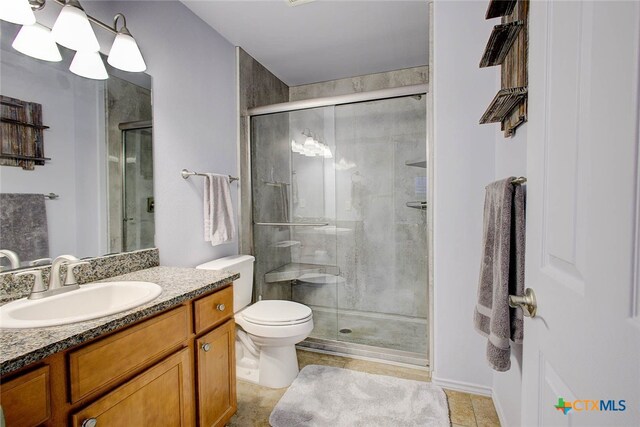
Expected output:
(276, 312)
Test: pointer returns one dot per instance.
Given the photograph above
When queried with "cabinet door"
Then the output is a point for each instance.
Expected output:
(25, 399)
(216, 373)
(160, 396)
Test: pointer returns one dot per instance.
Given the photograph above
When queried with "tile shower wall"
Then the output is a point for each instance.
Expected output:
(270, 179)
(126, 102)
(258, 86)
(366, 83)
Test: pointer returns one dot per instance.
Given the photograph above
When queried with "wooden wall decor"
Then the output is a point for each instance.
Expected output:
(499, 8)
(21, 133)
(508, 47)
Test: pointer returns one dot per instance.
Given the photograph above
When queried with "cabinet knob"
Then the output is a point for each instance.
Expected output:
(89, 422)
(205, 347)
(220, 307)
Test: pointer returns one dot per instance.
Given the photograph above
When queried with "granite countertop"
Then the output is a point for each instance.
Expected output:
(21, 347)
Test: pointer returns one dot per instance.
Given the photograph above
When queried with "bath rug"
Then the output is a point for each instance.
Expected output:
(333, 397)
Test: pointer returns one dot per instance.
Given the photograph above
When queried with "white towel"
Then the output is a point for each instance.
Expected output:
(219, 226)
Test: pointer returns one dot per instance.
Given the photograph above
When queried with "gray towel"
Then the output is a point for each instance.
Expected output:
(23, 225)
(502, 271)
(219, 224)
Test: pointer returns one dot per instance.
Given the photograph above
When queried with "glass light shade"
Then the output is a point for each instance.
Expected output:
(296, 148)
(36, 41)
(327, 152)
(125, 54)
(73, 30)
(89, 65)
(17, 11)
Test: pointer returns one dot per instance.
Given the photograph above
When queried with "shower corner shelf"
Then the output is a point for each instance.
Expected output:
(422, 163)
(294, 270)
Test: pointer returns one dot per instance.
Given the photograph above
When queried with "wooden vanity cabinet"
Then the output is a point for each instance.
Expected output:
(25, 399)
(161, 397)
(174, 369)
(216, 382)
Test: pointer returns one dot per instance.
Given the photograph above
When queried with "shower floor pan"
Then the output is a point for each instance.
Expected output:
(380, 336)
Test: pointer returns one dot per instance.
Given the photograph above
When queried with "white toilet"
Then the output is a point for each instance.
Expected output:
(267, 331)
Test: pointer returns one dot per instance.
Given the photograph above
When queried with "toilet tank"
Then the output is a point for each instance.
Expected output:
(242, 287)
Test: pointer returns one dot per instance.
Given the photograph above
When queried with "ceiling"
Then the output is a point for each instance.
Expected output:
(324, 39)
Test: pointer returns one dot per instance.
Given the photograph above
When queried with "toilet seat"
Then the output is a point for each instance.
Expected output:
(276, 313)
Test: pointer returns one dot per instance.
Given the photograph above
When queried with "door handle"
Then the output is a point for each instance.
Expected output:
(527, 303)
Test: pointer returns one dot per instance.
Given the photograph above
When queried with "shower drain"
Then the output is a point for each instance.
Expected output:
(345, 331)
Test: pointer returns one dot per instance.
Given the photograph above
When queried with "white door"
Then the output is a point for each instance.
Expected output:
(582, 215)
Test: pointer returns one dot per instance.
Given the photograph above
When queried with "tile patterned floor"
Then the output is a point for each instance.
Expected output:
(255, 403)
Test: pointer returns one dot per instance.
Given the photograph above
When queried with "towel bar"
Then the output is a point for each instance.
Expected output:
(187, 173)
(293, 224)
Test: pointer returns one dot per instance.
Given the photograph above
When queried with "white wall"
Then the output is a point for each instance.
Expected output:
(194, 114)
(464, 157)
(467, 157)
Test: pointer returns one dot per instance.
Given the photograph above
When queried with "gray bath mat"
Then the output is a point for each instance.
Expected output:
(326, 396)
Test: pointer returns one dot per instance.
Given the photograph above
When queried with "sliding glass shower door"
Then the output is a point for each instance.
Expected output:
(339, 197)
(380, 193)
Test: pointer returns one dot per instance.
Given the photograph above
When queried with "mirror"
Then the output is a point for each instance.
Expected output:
(89, 191)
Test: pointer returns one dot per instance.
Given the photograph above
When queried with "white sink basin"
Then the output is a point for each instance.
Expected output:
(88, 302)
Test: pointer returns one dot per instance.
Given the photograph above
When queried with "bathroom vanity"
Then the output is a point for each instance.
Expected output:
(169, 362)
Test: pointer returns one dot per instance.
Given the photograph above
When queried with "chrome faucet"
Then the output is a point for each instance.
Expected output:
(13, 258)
(55, 286)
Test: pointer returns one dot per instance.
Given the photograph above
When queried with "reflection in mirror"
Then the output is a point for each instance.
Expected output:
(89, 190)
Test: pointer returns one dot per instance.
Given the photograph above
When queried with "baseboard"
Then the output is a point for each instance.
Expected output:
(461, 386)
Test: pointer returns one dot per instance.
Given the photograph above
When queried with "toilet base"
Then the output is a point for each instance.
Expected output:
(269, 366)
(278, 366)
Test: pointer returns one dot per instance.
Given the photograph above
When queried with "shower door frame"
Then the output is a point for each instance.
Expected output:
(246, 199)
(124, 128)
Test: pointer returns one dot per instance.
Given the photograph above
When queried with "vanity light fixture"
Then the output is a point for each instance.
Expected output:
(311, 147)
(125, 53)
(89, 65)
(17, 11)
(73, 30)
(36, 41)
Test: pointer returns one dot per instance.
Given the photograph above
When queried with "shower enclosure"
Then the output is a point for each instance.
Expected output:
(137, 186)
(339, 197)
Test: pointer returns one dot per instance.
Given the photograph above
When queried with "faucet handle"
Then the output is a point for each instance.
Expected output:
(38, 286)
(70, 278)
